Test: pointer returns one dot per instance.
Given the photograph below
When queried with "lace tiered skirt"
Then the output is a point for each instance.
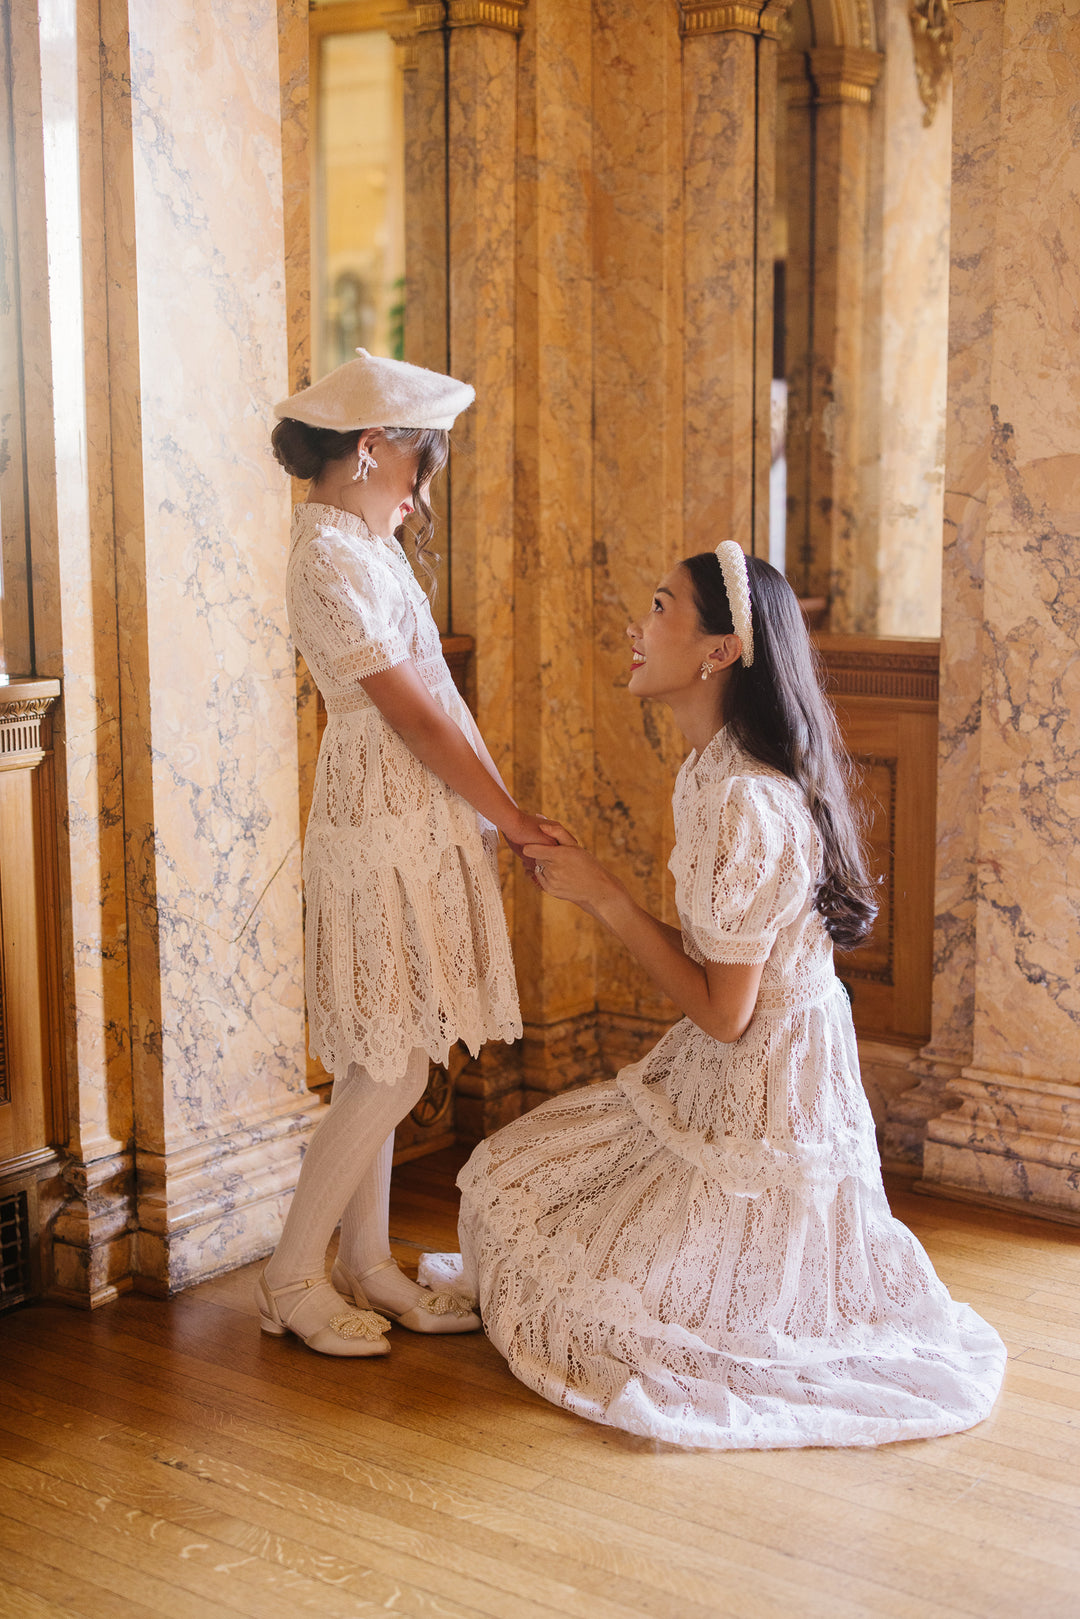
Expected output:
(405, 935)
(701, 1252)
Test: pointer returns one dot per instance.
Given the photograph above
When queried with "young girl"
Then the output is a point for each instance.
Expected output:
(701, 1250)
(406, 943)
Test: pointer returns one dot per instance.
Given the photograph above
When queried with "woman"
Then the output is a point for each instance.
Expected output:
(700, 1250)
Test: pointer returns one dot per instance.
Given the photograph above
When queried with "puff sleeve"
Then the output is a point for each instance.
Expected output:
(344, 613)
(743, 867)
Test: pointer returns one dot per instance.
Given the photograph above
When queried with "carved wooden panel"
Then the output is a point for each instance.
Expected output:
(885, 693)
(31, 1107)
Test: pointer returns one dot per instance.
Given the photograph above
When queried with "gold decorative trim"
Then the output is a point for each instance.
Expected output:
(844, 73)
(705, 17)
(20, 729)
(404, 27)
(932, 37)
(501, 14)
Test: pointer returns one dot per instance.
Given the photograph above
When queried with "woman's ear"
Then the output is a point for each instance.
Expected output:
(726, 652)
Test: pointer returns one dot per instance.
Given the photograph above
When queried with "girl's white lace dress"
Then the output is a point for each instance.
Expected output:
(700, 1250)
(406, 941)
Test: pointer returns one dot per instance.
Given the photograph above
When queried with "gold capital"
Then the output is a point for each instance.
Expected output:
(739, 17)
(844, 73)
(502, 14)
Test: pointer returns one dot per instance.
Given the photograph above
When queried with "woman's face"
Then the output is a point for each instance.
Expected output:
(669, 645)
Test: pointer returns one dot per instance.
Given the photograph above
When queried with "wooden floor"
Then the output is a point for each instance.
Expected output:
(168, 1459)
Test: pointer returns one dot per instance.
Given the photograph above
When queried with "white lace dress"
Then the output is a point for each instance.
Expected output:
(406, 941)
(700, 1250)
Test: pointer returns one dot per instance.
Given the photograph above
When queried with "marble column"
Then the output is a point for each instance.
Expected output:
(637, 471)
(553, 516)
(63, 318)
(160, 340)
(481, 87)
(729, 134)
(1006, 1031)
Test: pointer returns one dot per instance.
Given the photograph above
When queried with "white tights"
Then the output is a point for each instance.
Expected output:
(346, 1176)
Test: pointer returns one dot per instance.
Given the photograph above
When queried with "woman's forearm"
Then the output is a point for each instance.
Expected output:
(720, 999)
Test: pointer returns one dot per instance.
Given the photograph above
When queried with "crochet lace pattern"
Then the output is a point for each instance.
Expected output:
(700, 1251)
(406, 941)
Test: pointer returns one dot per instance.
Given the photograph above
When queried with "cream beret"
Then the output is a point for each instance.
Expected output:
(371, 391)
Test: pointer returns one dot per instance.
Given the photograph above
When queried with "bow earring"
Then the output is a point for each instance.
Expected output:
(364, 463)
(706, 671)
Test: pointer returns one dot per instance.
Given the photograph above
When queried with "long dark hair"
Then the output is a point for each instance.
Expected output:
(778, 712)
(304, 451)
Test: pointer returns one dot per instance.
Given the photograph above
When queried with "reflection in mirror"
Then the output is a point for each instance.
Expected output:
(861, 238)
(358, 260)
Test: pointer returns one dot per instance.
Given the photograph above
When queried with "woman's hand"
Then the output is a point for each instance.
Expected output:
(568, 871)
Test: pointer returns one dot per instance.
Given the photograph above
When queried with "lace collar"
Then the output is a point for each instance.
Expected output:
(717, 758)
(348, 523)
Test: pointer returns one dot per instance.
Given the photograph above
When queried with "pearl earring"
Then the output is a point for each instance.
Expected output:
(705, 670)
(364, 463)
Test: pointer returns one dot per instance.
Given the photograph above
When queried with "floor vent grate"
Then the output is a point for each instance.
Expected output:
(16, 1282)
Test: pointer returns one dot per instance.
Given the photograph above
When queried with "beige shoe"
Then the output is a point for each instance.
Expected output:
(348, 1333)
(436, 1312)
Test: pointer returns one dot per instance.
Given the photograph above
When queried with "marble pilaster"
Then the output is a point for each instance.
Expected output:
(1009, 887)
(63, 321)
(638, 454)
(553, 512)
(729, 99)
(160, 530)
(482, 91)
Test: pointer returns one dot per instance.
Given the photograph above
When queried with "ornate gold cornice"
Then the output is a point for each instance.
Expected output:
(502, 14)
(932, 37)
(844, 73)
(405, 28)
(742, 17)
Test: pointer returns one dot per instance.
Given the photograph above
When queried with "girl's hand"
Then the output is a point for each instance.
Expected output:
(527, 829)
(570, 872)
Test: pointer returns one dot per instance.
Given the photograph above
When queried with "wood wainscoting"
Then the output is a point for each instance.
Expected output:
(31, 1095)
(886, 696)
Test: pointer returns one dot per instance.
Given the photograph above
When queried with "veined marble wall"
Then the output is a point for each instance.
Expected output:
(1006, 1015)
(157, 343)
(602, 211)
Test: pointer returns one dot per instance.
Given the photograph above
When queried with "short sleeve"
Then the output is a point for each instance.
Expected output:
(342, 610)
(742, 867)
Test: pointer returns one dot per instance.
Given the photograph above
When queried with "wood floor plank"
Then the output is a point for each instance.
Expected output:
(189, 1496)
(432, 1483)
(16, 1602)
(79, 1594)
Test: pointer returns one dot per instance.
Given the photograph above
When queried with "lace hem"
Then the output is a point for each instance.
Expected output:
(589, 1344)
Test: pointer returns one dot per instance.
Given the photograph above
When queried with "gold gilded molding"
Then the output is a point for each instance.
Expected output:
(24, 728)
(932, 38)
(743, 17)
(503, 14)
(844, 73)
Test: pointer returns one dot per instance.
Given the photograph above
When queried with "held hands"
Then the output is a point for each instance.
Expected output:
(570, 872)
(527, 829)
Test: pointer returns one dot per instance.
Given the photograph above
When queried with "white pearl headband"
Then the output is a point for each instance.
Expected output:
(732, 560)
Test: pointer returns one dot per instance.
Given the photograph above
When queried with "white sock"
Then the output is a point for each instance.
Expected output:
(365, 1237)
(357, 1133)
